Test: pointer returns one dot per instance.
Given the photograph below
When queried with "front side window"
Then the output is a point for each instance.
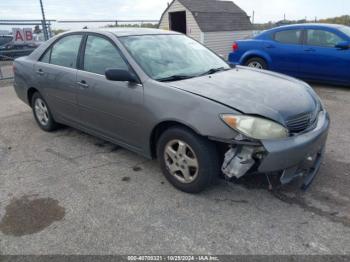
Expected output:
(288, 36)
(101, 54)
(165, 56)
(322, 38)
(65, 51)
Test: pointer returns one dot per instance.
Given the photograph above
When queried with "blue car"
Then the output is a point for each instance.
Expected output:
(313, 52)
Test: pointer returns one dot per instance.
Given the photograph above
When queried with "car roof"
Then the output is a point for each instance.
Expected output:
(126, 31)
(118, 32)
(310, 25)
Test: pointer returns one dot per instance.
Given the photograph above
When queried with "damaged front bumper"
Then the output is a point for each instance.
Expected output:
(297, 156)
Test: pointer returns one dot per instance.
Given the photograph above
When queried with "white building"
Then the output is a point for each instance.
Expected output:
(216, 24)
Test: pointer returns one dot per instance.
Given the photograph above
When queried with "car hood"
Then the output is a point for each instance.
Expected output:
(254, 92)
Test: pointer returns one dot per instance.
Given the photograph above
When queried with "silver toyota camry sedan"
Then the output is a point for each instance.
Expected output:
(164, 95)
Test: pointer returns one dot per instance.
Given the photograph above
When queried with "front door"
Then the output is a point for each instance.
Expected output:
(322, 60)
(108, 107)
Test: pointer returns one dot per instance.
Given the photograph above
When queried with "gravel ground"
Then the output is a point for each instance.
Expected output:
(69, 193)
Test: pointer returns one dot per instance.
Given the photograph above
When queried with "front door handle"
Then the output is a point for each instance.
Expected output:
(310, 50)
(83, 84)
(40, 72)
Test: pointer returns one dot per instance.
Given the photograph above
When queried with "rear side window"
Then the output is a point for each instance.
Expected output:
(288, 36)
(65, 51)
(101, 54)
(322, 38)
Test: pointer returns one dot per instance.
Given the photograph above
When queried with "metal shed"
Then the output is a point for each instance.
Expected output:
(216, 24)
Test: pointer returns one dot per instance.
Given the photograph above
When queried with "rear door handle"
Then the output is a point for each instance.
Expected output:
(40, 72)
(83, 84)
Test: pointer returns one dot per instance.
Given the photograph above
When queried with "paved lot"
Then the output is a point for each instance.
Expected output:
(70, 193)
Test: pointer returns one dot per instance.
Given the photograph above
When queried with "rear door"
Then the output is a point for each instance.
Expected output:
(285, 51)
(321, 59)
(56, 77)
(111, 108)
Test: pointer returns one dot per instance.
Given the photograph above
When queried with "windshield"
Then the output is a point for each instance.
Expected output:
(166, 56)
(5, 40)
(345, 30)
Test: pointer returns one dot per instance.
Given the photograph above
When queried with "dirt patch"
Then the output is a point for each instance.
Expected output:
(301, 202)
(25, 216)
(126, 179)
(137, 169)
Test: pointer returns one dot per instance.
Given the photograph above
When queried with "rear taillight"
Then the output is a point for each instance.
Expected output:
(235, 47)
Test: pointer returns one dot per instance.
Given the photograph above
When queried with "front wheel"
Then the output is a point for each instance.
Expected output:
(42, 113)
(256, 62)
(188, 161)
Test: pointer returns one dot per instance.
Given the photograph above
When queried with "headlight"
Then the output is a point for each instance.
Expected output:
(254, 127)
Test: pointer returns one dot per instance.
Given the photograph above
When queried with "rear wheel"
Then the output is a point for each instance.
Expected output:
(42, 113)
(188, 161)
(256, 62)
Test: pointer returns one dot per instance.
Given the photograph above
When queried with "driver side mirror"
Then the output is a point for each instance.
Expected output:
(120, 75)
(343, 45)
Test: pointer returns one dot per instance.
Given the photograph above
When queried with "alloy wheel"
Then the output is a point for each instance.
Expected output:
(255, 64)
(41, 111)
(181, 161)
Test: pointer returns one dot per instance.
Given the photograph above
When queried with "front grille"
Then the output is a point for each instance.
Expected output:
(301, 122)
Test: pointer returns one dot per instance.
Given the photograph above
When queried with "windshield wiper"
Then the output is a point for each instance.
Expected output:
(174, 78)
(214, 70)
(183, 77)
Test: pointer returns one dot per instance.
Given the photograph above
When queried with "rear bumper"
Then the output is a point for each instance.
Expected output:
(292, 153)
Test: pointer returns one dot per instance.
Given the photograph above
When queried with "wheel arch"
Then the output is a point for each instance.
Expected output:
(256, 53)
(30, 92)
(161, 127)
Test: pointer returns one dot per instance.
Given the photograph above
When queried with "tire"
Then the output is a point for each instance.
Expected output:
(42, 113)
(256, 62)
(175, 165)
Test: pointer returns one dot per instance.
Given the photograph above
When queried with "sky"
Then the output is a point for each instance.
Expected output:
(265, 10)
